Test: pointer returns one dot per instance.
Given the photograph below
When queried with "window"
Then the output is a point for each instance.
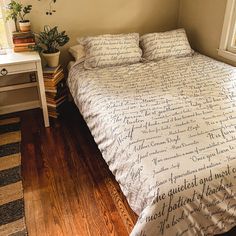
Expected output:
(5, 27)
(228, 39)
(3, 30)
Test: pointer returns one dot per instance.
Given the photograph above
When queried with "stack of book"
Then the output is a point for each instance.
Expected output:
(23, 41)
(55, 88)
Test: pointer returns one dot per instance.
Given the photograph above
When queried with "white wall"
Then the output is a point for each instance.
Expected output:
(203, 21)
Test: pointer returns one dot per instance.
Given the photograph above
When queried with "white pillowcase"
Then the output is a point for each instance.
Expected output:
(111, 50)
(78, 52)
(157, 46)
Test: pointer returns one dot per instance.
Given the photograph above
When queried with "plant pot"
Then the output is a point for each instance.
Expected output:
(52, 59)
(24, 26)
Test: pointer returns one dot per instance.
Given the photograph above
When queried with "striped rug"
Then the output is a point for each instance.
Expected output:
(12, 216)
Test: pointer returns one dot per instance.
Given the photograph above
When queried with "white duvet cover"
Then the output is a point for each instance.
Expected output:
(167, 130)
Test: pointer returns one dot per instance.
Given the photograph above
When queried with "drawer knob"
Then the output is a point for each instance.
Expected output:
(4, 72)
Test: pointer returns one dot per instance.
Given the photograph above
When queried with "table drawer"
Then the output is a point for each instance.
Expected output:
(21, 68)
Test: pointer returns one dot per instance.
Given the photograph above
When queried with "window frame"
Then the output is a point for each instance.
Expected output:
(227, 47)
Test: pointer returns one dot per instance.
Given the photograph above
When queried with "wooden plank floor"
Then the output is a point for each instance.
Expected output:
(68, 187)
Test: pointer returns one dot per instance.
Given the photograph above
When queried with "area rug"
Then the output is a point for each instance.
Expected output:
(12, 216)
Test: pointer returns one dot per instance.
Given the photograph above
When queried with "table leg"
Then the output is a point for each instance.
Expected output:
(42, 94)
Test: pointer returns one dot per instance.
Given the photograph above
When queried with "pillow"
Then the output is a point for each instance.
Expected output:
(77, 52)
(157, 46)
(111, 50)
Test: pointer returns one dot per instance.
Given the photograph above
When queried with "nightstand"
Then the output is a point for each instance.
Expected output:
(15, 63)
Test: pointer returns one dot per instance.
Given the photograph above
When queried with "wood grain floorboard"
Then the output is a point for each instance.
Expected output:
(68, 188)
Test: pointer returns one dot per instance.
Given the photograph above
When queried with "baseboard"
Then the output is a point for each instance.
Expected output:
(19, 107)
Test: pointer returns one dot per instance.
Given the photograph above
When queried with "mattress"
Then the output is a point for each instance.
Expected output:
(167, 131)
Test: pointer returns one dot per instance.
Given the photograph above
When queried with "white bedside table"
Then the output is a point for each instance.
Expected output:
(15, 63)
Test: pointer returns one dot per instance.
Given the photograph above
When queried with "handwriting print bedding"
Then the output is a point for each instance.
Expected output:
(167, 130)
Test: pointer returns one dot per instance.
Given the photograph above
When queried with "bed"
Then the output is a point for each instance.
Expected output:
(167, 131)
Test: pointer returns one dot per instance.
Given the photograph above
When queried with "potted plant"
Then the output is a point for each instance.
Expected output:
(16, 10)
(48, 42)
(24, 23)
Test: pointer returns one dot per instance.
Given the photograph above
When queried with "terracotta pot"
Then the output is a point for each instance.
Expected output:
(52, 59)
(24, 26)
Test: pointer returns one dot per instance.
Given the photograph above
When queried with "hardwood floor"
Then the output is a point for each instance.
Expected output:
(67, 185)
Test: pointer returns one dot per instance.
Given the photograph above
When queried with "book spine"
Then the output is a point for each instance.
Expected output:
(23, 44)
(61, 84)
(56, 95)
(23, 41)
(53, 83)
(22, 49)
